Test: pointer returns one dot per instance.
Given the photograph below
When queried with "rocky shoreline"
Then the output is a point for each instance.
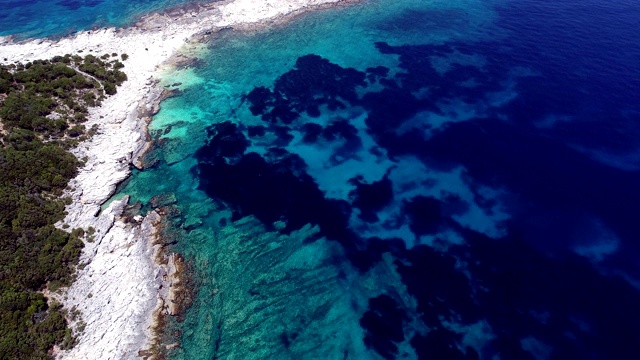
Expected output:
(126, 282)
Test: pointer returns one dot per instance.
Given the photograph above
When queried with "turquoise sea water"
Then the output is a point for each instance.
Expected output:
(262, 294)
(45, 18)
(408, 180)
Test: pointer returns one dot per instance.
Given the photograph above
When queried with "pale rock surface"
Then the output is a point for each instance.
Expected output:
(117, 289)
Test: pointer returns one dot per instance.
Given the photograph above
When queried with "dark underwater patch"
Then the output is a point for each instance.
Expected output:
(383, 324)
(313, 82)
(510, 286)
(441, 343)
(272, 187)
(256, 131)
(371, 198)
(510, 283)
(312, 132)
(424, 215)
(226, 141)
(284, 137)
(548, 174)
(374, 74)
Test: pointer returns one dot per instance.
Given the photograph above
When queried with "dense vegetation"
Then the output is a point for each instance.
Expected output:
(43, 105)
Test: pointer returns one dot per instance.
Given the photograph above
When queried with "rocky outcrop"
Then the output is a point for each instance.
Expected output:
(117, 287)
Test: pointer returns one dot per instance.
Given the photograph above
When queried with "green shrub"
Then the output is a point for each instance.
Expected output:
(44, 105)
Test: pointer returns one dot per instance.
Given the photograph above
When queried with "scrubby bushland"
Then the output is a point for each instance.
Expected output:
(42, 107)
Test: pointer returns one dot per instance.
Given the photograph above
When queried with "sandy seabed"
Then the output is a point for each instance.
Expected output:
(126, 281)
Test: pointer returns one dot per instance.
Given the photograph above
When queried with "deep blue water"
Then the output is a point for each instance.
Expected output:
(469, 171)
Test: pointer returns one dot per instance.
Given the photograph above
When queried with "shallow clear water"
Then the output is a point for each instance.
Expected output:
(409, 179)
